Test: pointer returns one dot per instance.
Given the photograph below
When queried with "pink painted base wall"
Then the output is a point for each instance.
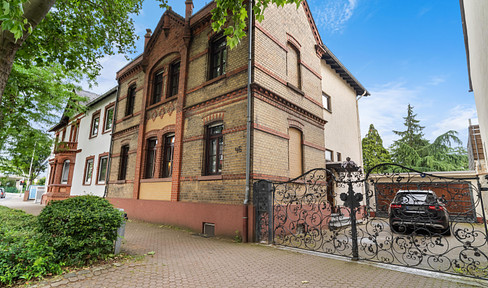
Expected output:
(227, 218)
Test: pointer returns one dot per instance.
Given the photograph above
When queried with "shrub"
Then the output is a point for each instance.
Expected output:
(80, 229)
(23, 254)
(10, 189)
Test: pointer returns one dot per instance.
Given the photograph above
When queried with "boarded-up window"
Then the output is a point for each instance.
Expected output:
(295, 161)
(293, 66)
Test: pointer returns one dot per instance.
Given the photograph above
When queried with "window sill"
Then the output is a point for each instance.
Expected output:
(213, 80)
(169, 99)
(209, 177)
(107, 131)
(295, 88)
(328, 110)
(152, 180)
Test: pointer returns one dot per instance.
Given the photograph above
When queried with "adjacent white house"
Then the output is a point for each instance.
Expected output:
(340, 95)
(474, 15)
(79, 162)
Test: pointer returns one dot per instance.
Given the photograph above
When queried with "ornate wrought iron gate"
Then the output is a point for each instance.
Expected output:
(343, 212)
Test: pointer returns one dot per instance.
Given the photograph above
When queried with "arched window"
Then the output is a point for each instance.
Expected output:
(214, 149)
(218, 56)
(157, 86)
(65, 173)
(131, 100)
(150, 157)
(167, 163)
(295, 153)
(124, 160)
(174, 78)
(293, 66)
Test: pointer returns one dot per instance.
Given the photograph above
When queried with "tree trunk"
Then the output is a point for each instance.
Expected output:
(34, 12)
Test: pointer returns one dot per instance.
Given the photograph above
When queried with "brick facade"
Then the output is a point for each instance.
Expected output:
(282, 99)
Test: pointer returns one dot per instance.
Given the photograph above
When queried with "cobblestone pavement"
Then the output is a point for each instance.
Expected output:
(182, 259)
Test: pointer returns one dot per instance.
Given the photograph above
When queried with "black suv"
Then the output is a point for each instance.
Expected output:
(418, 209)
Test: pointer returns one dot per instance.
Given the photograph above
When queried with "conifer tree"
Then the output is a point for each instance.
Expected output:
(413, 151)
(373, 151)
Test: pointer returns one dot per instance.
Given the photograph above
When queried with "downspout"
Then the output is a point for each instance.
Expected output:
(245, 218)
(109, 164)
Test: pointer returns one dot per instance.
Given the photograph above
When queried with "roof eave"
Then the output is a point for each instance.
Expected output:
(344, 73)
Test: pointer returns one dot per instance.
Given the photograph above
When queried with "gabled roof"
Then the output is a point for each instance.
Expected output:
(169, 13)
(91, 99)
(340, 69)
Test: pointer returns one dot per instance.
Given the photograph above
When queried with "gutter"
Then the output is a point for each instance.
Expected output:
(245, 217)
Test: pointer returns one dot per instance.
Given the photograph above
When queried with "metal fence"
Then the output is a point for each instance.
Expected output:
(400, 217)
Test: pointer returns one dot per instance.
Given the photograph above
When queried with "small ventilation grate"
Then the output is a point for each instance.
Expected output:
(209, 229)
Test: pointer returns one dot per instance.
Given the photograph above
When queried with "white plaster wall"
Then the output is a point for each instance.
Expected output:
(342, 132)
(476, 17)
(91, 147)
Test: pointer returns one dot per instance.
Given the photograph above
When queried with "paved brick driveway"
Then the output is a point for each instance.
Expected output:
(182, 259)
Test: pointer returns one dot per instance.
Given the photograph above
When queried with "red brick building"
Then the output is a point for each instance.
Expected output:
(179, 142)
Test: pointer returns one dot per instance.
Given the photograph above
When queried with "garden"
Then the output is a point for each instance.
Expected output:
(74, 232)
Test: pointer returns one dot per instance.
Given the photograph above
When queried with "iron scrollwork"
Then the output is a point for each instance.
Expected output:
(341, 211)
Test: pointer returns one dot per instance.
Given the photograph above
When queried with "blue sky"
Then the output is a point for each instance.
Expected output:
(401, 51)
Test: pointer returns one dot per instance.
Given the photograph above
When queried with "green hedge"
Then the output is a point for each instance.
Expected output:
(80, 229)
(23, 253)
(75, 231)
(10, 189)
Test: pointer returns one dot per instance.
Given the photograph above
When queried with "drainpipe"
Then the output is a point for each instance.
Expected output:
(109, 164)
(248, 130)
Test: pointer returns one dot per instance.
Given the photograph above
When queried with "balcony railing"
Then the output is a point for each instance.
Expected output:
(65, 147)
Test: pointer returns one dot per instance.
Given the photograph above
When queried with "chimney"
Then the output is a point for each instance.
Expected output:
(189, 10)
(147, 37)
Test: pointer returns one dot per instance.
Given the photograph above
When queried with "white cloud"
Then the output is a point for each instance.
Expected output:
(436, 80)
(333, 15)
(386, 108)
(456, 119)
(106, 80)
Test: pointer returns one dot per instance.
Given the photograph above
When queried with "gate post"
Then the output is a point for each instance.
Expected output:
(263, 203)
(352, 215)
(480, 195)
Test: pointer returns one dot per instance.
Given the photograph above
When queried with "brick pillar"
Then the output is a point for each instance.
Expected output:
(179, 125)
(140, 140)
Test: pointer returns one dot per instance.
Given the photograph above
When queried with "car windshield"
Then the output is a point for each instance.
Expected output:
(414, 198)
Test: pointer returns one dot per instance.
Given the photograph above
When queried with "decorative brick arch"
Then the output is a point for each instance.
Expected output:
(295, 124)
(217, 116)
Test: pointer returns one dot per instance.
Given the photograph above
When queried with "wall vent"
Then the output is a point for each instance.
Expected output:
(209, 229)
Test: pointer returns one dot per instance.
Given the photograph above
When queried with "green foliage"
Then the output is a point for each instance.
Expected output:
(413, 151)
(231, 16)
(5, 182)
(237, 237)
(373, 151)
(413, 135)
(42, 181)
(11, 18)
(80, 229)
(23, 253)
(11, 189)
(35, 95)
(19, 150)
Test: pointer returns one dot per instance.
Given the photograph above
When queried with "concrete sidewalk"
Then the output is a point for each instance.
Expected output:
(182, 259)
